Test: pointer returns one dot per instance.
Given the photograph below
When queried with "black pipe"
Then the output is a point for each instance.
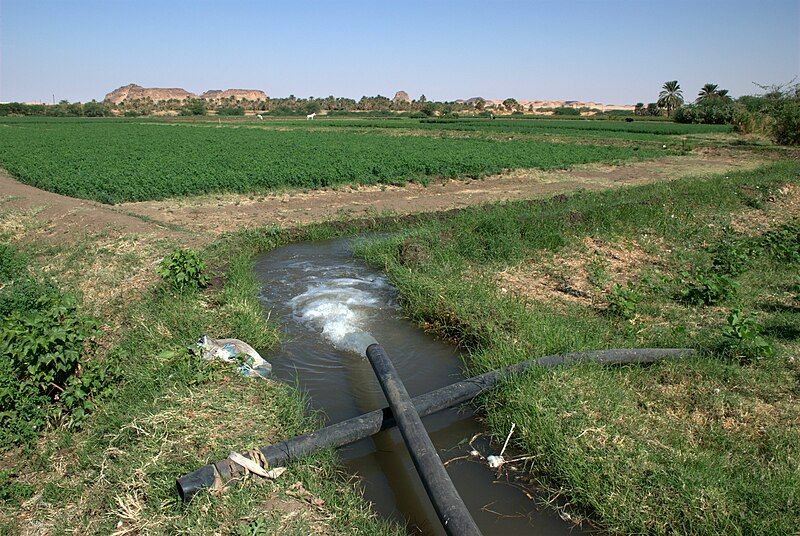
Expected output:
(357, 428)
(448, 504)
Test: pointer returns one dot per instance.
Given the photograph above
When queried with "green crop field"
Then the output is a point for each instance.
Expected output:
(654, 131)
(116, 161)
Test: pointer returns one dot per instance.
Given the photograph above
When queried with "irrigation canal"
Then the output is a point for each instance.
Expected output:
(332, 307)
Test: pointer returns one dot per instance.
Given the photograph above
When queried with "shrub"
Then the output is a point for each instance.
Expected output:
(194, 107)
(783, 242)
(43, 375)
(183, 269)
(622, 301)
(729, 254)
(786, 124)
(746, 121)
(563, 110)
(711, 112)
(230, 110)
(706, 289)
(742, 337)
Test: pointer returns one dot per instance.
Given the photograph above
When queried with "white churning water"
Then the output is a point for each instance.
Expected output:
(340, 309)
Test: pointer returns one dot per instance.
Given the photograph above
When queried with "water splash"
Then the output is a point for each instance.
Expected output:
(340, 308)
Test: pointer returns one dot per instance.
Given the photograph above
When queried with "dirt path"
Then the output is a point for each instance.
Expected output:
(213, 215)
(63, 217)
(200, 219)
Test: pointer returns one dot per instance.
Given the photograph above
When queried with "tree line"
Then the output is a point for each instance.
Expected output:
(775, 111)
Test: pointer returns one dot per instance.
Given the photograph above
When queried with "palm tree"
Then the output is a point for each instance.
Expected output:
(708, 91)
(723, 94)
(671, 96)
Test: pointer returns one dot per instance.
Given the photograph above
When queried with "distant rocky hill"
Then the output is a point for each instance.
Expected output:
(401, 96)
(238, 94)
(563, 104)
(158, 94)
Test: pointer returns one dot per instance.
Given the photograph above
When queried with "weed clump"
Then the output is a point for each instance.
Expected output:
(729, 254)
(783, 243)
(742, 337)
(622, 301)
(183, 269)
(44, 375)
(706, 288)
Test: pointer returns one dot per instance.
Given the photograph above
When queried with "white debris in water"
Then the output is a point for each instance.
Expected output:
(339, 308)
(495, 461)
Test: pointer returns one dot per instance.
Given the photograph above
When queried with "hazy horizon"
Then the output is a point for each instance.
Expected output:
(618, 52)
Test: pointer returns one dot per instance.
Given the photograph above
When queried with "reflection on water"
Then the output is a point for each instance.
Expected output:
(332, 308)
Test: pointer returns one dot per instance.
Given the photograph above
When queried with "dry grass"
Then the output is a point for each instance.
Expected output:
(780, 207)
(581, 275)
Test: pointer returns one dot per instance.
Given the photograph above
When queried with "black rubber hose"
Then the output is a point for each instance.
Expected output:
(448, 504)
(357, 428)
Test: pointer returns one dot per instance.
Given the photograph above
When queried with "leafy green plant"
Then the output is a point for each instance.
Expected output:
(230, 110)
(622, 301)
(786, 124)
(783, 243)
(597, 272)
(183, 269)
(729, 254)
(12, 262)
(43, 375)
(706, 288)
(742, 337)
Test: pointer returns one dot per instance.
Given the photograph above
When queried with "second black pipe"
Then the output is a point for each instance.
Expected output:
(448, 504)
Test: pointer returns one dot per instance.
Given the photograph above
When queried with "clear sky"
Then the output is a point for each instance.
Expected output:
(614, 51)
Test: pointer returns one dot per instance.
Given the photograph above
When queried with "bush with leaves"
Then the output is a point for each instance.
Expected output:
(711, 112)
(783, 242)
(742, 337)
(729, 254)
(786, 124)
(183, 270)
(230, 110)
(706, 288)
(43, 375)
(622, 301)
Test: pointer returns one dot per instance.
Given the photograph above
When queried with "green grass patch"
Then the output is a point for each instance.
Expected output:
(707, 445)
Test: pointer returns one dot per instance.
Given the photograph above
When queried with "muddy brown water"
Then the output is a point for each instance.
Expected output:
(332, 307)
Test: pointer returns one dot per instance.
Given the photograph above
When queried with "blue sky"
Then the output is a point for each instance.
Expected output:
(613, 51)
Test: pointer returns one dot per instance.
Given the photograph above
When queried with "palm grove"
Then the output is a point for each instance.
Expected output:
(774, 112)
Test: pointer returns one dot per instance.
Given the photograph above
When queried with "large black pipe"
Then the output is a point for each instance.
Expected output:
(448, 504)
(352, 430)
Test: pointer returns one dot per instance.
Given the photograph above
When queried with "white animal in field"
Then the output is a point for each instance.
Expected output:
(309, 117)
(260, 116)
(234, 351)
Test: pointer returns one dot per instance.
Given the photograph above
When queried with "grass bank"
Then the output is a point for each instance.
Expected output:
(708, 445)
(166, 413)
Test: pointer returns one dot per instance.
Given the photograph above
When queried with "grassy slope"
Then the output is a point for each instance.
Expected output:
(171, 413)
(114, 161)
(707, 446)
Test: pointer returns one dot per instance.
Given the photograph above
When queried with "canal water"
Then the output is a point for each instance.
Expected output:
(332, 307)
